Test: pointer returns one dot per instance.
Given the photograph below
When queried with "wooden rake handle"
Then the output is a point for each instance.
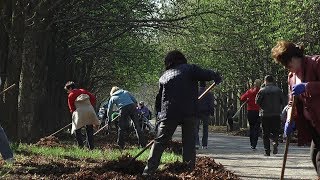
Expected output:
(206, 91)
(59, 130)
(105, 125)
(286, 149)
(8, 88)
(143, 150)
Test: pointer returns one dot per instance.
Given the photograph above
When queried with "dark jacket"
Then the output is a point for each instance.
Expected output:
(230, 112)
(206, 104)
(270, 99)
(178, 92)
(308, 102)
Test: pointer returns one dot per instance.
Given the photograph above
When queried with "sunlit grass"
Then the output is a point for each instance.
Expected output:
(80, 153)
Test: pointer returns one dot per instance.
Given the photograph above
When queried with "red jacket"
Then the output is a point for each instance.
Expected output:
(310, 100)
(250, 95)
(73, 96)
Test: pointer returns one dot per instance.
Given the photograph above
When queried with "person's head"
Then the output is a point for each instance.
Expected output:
(288, 54)
(202, 84)
(141, 104)
(230, 107)
(268, 79)
(173, 59)
(257, 83)
(114, 89)
(70, 85)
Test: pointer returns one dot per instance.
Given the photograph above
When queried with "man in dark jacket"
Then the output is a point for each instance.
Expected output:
(270, 99)
(205, 109)
(179, 95)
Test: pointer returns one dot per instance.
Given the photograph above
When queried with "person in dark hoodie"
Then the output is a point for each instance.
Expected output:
(126, 104)
(178, 96)
(205, 109)
(270, 99)
(230, 113)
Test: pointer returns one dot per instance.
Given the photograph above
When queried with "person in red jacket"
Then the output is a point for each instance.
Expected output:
(253, 112)
(304, 84)
(81, 116)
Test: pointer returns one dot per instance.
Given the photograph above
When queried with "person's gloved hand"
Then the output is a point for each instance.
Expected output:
(218, 79)
(299, 89)
(289, 128)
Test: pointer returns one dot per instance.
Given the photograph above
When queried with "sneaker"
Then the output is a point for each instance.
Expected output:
(147, 173)
(204, 147)
(267, 153)
(253, 148)
(197, 147)
(120, 147)
(275, 149)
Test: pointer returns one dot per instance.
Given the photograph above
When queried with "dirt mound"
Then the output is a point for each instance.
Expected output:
(49, 141)
(108, 141)
(38, 167)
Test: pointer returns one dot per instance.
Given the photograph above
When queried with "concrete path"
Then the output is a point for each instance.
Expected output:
(235, 154)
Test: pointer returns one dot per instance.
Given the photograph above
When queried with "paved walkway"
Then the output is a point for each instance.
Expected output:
(235, 154)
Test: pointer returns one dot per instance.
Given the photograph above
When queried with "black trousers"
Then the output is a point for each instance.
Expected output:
(254, 125)
(315, 147)
(205, 125)
(165, 131)
(126, 113)
(230, 123)
(271, 127)
(89, 134)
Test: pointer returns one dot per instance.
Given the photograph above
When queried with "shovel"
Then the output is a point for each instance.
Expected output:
(151, 142)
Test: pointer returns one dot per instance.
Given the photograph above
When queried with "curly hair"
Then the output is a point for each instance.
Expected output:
(283, 51)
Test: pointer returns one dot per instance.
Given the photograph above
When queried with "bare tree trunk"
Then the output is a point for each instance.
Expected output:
(15, 36)
(32, 82)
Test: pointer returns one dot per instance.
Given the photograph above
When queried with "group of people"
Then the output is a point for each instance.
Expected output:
(177, 104)
(264, 106)
(81, 103)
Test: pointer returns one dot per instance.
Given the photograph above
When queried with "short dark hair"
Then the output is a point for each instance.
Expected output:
(202, 84)
(70, 84)
(269, 78)
(174, 58)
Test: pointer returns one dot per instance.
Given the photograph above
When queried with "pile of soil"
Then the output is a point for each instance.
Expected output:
(38, 167)
(241, 132)
(49, 141)
(106, 141)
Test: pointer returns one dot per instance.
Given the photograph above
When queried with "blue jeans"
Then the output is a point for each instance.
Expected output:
(205, 122)
(5, 150)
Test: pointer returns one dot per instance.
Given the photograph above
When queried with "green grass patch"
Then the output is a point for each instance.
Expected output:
(80, 153)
